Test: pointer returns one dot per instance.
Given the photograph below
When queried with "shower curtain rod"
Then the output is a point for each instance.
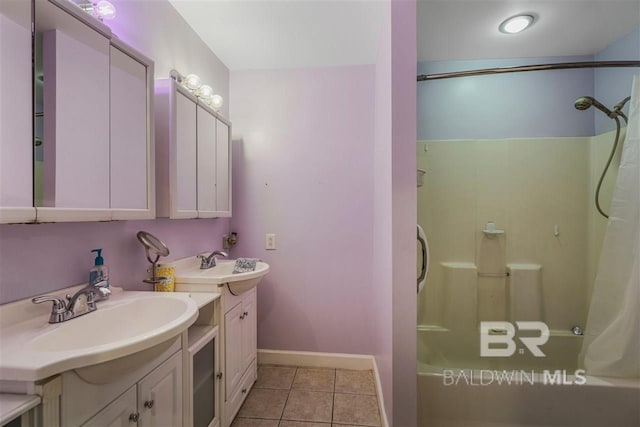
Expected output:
(539, 67)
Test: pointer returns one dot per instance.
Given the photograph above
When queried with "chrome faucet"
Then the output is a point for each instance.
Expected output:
(210, 261)
(66, 310)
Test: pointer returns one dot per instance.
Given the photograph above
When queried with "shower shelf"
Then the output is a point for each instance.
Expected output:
(492, 233)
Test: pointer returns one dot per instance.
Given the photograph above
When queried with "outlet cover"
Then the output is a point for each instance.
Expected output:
(270, 242)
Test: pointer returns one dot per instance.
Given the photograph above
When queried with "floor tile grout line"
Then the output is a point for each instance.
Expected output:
(288, 394)
(333, 397)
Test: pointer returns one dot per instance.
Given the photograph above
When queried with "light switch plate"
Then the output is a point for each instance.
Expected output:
(270, 241)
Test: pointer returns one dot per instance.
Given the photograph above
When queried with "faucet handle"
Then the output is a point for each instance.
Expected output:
(59, 305)
(101, 284)
(59, 311)
(101, 291)
(104, 292)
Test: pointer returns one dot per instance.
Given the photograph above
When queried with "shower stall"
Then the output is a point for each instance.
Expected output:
(514, 201)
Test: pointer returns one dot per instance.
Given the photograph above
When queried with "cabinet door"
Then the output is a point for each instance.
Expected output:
(119, 413)
(206, 163)
(160, 395)
(223, 169)
(16, 143)
(249, 329)
(204, 383)
(233, 348)
(184, 177)
(129, 138)
(76, 122)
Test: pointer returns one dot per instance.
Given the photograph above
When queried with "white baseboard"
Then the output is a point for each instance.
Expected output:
(376, 377)
(327, 360)
(315, 360)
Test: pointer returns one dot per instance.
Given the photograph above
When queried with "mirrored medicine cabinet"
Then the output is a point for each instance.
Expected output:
(76, 118)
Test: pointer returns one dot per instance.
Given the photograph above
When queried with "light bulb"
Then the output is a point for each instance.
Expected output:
(516, 24)
(216, 102)
(192, 82)
(105, 10)
(205, 92)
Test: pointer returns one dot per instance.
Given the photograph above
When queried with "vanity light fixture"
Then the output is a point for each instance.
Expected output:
(205, 92)
(216, 102)
(194, 84)
(516, 24)
(100, 10)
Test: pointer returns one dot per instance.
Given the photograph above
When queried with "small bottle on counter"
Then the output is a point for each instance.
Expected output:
(99, 271)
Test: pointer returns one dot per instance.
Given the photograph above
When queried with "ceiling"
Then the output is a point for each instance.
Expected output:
(468, 29)
(265, 34)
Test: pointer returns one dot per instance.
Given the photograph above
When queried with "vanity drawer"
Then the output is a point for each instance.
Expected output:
(233, 404)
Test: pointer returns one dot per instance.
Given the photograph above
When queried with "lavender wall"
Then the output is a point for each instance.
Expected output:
(518, 105)
(303, 169)
(40, 258)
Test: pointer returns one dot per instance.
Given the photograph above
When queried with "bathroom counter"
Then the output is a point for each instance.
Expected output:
(204, 298)
(128, 322)
(14, 405)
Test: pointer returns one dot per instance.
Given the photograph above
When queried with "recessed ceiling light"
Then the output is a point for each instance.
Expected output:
(516, 24)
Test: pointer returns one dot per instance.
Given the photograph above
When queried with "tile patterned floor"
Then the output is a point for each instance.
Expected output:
(286, 396)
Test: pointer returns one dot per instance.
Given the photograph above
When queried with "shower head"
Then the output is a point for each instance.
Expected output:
(584, 102)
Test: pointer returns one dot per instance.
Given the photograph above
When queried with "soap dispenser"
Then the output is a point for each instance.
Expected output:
(99, 272)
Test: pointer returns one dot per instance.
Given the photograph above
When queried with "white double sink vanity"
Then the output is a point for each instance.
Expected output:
(186, 358)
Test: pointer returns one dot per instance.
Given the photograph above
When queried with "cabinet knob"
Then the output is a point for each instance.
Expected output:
(134, 418)
(246, 313)
(242, 316)
(219, 375)
(244, 390)
(148, 404)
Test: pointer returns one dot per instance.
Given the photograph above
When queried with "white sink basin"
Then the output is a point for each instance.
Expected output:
(189, 276)
(121, 323)
(127, 323)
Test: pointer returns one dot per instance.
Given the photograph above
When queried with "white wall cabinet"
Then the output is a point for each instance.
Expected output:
(92, 119)
(154, 401)
(240, 348)
(132, 177)
(76, 123)
(193, 156)
(16, 140)
(206, 162)
(223, 168)
(97, 144)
